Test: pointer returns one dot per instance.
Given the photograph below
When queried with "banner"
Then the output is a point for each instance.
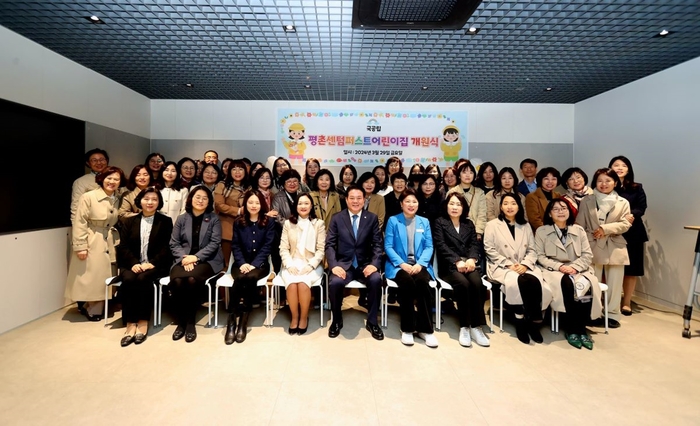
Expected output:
(370, 137)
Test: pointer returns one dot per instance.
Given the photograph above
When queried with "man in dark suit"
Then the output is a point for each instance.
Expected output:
(354, 251)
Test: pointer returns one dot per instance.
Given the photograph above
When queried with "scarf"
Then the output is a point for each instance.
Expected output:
(605, 204)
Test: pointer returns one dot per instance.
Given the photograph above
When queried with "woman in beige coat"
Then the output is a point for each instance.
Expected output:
(475, 196)
(506, 182)
(604, 217)
(565, 256)
(512, 261)
(302, 250)
(93, 242)
(139, 179)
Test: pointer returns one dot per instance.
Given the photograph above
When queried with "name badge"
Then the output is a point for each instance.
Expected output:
(420, 230)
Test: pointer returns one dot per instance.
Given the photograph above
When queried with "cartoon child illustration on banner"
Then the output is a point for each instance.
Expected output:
(451, 144)
(295, 145)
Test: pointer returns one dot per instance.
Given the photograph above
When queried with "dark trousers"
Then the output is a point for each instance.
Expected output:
(245, 286)
(414, 298)
(186, 288)
(136, 294)
(531, 293)
(467, 294)
(336, 291)
(577, 313)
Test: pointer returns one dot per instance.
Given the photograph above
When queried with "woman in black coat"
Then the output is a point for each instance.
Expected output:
(457, 251)
(143, 256)
(636, 236)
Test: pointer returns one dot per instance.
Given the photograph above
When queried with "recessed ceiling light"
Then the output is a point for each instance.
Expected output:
(473, 30)
(307, 86)
(190, 85)
(290, 29)
(424, 88)
(548, 89)
(94, 19)
(663, 33)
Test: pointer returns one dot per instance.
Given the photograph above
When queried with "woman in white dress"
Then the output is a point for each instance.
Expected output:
(302, 250)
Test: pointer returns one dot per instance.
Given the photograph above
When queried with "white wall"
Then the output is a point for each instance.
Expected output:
(34, 264)
(655, 122)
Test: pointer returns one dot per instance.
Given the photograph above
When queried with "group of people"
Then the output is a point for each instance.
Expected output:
(543, 245)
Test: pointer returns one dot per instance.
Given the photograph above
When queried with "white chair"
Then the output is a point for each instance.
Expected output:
(226, 281)
(444, 285)
(115, 282)
(604, 291)
(385, 299)
(166, 281)
(277, 283)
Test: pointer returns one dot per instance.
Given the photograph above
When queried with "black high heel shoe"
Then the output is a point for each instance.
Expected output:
(293, 331)
(300, 330)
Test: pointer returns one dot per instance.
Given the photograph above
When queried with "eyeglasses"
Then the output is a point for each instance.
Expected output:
(98, 160)
(574, 178)
(210, 172)
(201, 198)
(187, 168)
(153, 160)
(292, 181)
(559, 209)
(264, 177)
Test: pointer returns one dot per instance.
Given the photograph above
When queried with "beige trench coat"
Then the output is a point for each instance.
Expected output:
(612, 248)
(314, 250)
(502, 251)
(93, 230)
(493, 205)
(552, 254)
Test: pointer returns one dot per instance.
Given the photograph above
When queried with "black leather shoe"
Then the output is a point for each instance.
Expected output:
(190, 333)
(534, 332)
(301, 331)
(293, 331)
(600, 322)
(230, 330)
(375, 330)
(179, 332)
(334, 330)
(127, 340)
(521, 331)
(242, 330)
(140, 338)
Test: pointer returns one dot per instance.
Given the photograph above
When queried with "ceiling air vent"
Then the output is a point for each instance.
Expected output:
(412, 14)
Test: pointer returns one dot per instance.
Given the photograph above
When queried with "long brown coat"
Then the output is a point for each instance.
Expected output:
(227, 204)
(612, 248)
(333, 206)
(553, 254)
(93, 230)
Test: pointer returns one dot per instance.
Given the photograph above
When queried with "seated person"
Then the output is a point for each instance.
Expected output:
(353, 252)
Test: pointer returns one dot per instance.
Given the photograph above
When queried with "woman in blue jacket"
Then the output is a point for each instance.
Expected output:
(409, 248)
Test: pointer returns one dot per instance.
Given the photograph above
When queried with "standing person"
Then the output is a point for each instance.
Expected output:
(575, 181)
(93, 238)
(373, 201)
(449, 181)
(173, 193)
(434, 170)
(326, 199)
(302, 250)
(346, 178)
(486, 177)
(353, 251)
(565, 256)
(225, 166)
(310, 170)
(604, 217)
(139, 179)
(383, 179)
(475, 196)
(253, 240)
(636, 236)
(457, 251)
(429, 198)
(154, 161)
(528, 168)
(506, 183)
(257, 166)
(512, 261)
(283, 204)
(393, 165)
(391, 200)
(196, 247)
(409, 250)
(143, 256)
(228, 203)
(262, 182)
(188, 172)
(414, 174)
(279, 166)
(536, 202)
(96, 160)
(211, 157)
(211, 175)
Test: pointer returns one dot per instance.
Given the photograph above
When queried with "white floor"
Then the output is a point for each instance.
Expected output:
(63, 370)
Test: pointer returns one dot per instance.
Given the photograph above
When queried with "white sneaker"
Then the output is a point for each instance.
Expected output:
(465, 339)
(407, 338)
(430, 339)
(478, 336)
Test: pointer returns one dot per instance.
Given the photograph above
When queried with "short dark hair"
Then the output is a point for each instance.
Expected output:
(289, 174)
(153, 154)
(547, 171)
(608, 172)
(627, 181)
(354, 187)
(294, 217)
(149, 190)
(194, 190)
(324, 172)
(394, 159)
(548, 210)
(423, 179)
(407, 192)
(100, 178)
(398, 175)
(569, 172)
(346, 167)
(498, 186)
(177, 184)
(216, 168)
(519, 216)
(465, 164)
(528, 161)
(463, 201)
(93, 152)
(255, 184)
(228, 181)
(480, 174)
(367, 176)
(244, 219)
(131, 184)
